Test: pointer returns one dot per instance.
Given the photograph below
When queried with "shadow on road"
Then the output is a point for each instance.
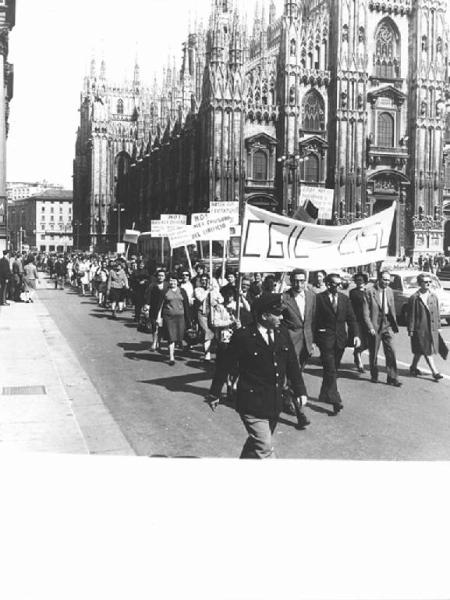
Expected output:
(182, 383)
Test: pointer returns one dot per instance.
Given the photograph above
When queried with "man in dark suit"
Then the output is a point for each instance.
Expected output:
(383, 326)
(262, 355)
(5, 276)
(299, 315)
(335, 325)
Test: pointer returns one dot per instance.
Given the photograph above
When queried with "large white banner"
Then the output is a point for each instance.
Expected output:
(322, 198)
(273, 243)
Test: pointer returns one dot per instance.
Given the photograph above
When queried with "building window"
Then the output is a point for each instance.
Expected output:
(120, 107)
(260, 166)
(387, 50)
(385, 130)
(313, 112)
(312, 168)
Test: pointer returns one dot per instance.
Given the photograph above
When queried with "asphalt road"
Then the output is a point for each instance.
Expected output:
(161, 409)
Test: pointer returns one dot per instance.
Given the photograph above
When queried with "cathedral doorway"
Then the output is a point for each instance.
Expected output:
(378, 206)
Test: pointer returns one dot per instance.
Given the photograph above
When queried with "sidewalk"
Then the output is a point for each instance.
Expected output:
(47, 402)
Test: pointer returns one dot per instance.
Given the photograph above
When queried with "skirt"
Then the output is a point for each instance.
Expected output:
(117, 294)
(204, 326)
(174, 328)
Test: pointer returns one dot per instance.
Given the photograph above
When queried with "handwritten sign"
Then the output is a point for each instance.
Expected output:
(226, 208)
(322, 198)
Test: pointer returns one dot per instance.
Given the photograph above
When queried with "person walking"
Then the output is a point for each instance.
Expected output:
(358, 298)
(382, 327)
(153, 295)
(17, 276)
(423, 325)
(299, 315)
(262, 355)
(5, 277)
(60, 273)
(117, 288)
(139, 279)
(335, 324)
(205, 294)
(30, 277)
(319, 284)
(173, 315)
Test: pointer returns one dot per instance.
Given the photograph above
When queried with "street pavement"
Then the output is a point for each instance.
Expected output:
(47, 402)
(160, 410)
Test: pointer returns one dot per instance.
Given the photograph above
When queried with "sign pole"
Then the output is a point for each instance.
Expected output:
(210, 260)
(224, 258)
(162, 250)
(191, 270)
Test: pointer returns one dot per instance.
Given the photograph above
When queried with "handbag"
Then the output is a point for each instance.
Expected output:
(443, 350)
(219, 316)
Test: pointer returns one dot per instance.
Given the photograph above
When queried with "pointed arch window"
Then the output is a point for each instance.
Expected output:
(260, 165)
(387, 50)
(385, 130)
(312, 168)
(313, 112)
(120, 107)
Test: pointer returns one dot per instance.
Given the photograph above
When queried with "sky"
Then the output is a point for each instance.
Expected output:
(51, 47)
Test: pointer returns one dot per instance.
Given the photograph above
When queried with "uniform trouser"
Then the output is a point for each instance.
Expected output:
(385, 337)
(331, 357)
(3, 290)
(259, 441)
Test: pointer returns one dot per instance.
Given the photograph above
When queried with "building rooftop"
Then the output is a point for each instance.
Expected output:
(54, 194)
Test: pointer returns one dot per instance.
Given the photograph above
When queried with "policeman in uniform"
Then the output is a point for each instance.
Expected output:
(261, 355)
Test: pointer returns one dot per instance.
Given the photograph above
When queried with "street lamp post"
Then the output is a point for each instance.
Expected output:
(118, 209)
(291, 163)
(77, 228)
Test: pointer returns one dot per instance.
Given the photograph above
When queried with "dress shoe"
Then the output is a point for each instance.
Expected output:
(302, 420)
(337, 407)
(171, 363)
(394, 382)
(437, 376)
(374, 379)
(414, 372)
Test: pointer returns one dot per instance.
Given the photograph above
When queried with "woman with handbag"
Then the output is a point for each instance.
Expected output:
(173, 315)
(423, 326)
(205, 295)
(117, 288)
(30, 278)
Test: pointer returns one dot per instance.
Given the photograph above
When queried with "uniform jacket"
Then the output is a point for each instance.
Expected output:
(375, 311)
(423, 324)
(300, 328)
(334, 329)
(5, 268)
(262, 371)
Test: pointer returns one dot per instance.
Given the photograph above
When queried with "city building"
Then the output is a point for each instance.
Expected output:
(7, 22)
(19, 190)
(42, 222)
(351, 95)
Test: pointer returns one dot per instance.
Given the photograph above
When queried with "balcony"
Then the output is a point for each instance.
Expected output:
(396, 157)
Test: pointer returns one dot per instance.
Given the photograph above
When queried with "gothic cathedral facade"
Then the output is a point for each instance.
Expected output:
(352, 95)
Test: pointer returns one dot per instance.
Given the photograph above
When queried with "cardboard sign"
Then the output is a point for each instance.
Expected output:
(131, 236)
(180, 236)
(321, 198)
(211, 228)
(174, 219)
(226, 208)
(158, 229)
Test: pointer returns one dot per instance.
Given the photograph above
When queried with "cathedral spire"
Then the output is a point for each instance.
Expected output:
(291, 8)
(272, 12)
(137, 73)
(93, 69)
(103, 69)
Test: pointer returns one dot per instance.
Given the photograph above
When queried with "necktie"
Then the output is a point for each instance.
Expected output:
(334, 303)
(270, 338)
(383, 301)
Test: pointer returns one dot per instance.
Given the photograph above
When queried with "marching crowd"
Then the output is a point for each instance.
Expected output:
(263, 328)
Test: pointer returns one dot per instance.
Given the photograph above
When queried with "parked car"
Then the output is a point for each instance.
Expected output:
(404, 284)
(444, 275)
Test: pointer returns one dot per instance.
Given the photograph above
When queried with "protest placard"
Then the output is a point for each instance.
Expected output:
(180, 236)
(321, 198)
(213, 227)
(158, 229)
(131, 236)
(226, 208)
(273, 243)
(174, 219)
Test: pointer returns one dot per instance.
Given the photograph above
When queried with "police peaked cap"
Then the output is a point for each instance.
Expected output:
(268, 303)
